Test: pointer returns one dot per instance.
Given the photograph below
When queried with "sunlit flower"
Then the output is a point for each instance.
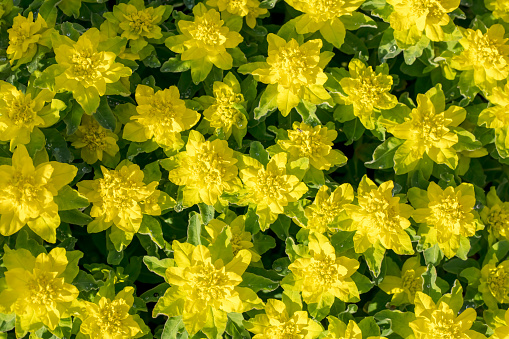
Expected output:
(21, 113)
(325, 16)
(27, 192)
(502, 330)
(314, 143)
(279, 322)
(497, 117)
(410, 19)
(379, 217)
(485, 55)
(204, 41)
(499, 8)
(38, 290)
(270, 187)
(110, 319)
(136, 23)
(495, 216)
(327, 210)
(296, 71)
(206, 169)
(240, 238)
(94, 140)
(322, 274)
(204, 286)
(443, 320)
(447, 214)
(222, 110)
(250, 9)
(161, 116)
(339, 330)
(404, 286)
(121, 198)
(25, 36)
(368, 91)
(428, 130)
(85, 69)
(494, 284)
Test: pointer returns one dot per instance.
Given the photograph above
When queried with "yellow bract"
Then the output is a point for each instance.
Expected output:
(494, 283)
(339, 330)
(411, 18)
(443, 320)
(205, 39)
(278, 322)
(323, 275)
(110, 319)
(502, 331)
(327, 210)
(21, 113)
(499, 8)
(204, 287)
(24, 37)
(84, 69)
(496, 216)
(206, 169)
(244, 8)
(368, 91)
(404, 286)
(485, 55)
(296, 69)
(379, 218)
(314, 143)
(428, 130)
(26, 194)
(448, 215)
(270, 188)
(38, 290)
(94, 140)
(161, 116)
(121, 198)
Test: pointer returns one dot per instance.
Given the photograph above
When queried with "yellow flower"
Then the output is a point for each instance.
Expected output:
(25, 36)
(94, 140)
(206, 169)
(379, 218)
(497, 117)
(367, 91)
(222, 110)
(323, 276)
(325, 213)
(446, 213)
(404, 286)
(502, 330)
(85, 69)
(294, 71)
(443, 320)
(244, 8)
(430, 130)
(494, 284)
(280, 322)
(325, 16)
(161, 116)
(136, 23)
(314, 143)
(27, 192)
(499, 8)
(204, 287)
(270, 187)
(121, 198)
(415, 17)
(38, 290)
(240, 238)
(339, 330)
(22, 113)
(486, 56)
(496, 216)
(204, 42)
(110, 319)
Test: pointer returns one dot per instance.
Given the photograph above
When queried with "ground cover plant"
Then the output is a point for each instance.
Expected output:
(275, 169)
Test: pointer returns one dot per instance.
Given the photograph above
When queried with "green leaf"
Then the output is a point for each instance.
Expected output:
(383, 156)
(194, 228)
(104, 115)
(429, 283)
(74, 217)
(258, 283)
(73, 119)
(353, 130)
(158, 266)
(369, 327)
(172, 327)
(268, 102)
(151, 227)
(399, 321)
(374, 257)
(258, 152)
(175, 65)
(388, 48)
(69, 199)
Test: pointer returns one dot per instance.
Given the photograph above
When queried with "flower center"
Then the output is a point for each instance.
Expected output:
(325, 271)
(270, 185)
(309, 143)
(448, 212)
(19, 33)
(370, 90)
(119, 192)
(236, 243)
(111, 315)
(382, 213)
(498, 282)
(411, 283)
(484, 51)
(226, 113)
(20, 110)
(430, 127)
(207, 32)
(291, 67)
(42, 289)
(95, 138)
(23, 191)
(139, 21)
(443, 325)
(208, 166)
(324, 10)
(430, 8)
(498, 220)
(86, 64)
(210, 284)
(287, 330)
